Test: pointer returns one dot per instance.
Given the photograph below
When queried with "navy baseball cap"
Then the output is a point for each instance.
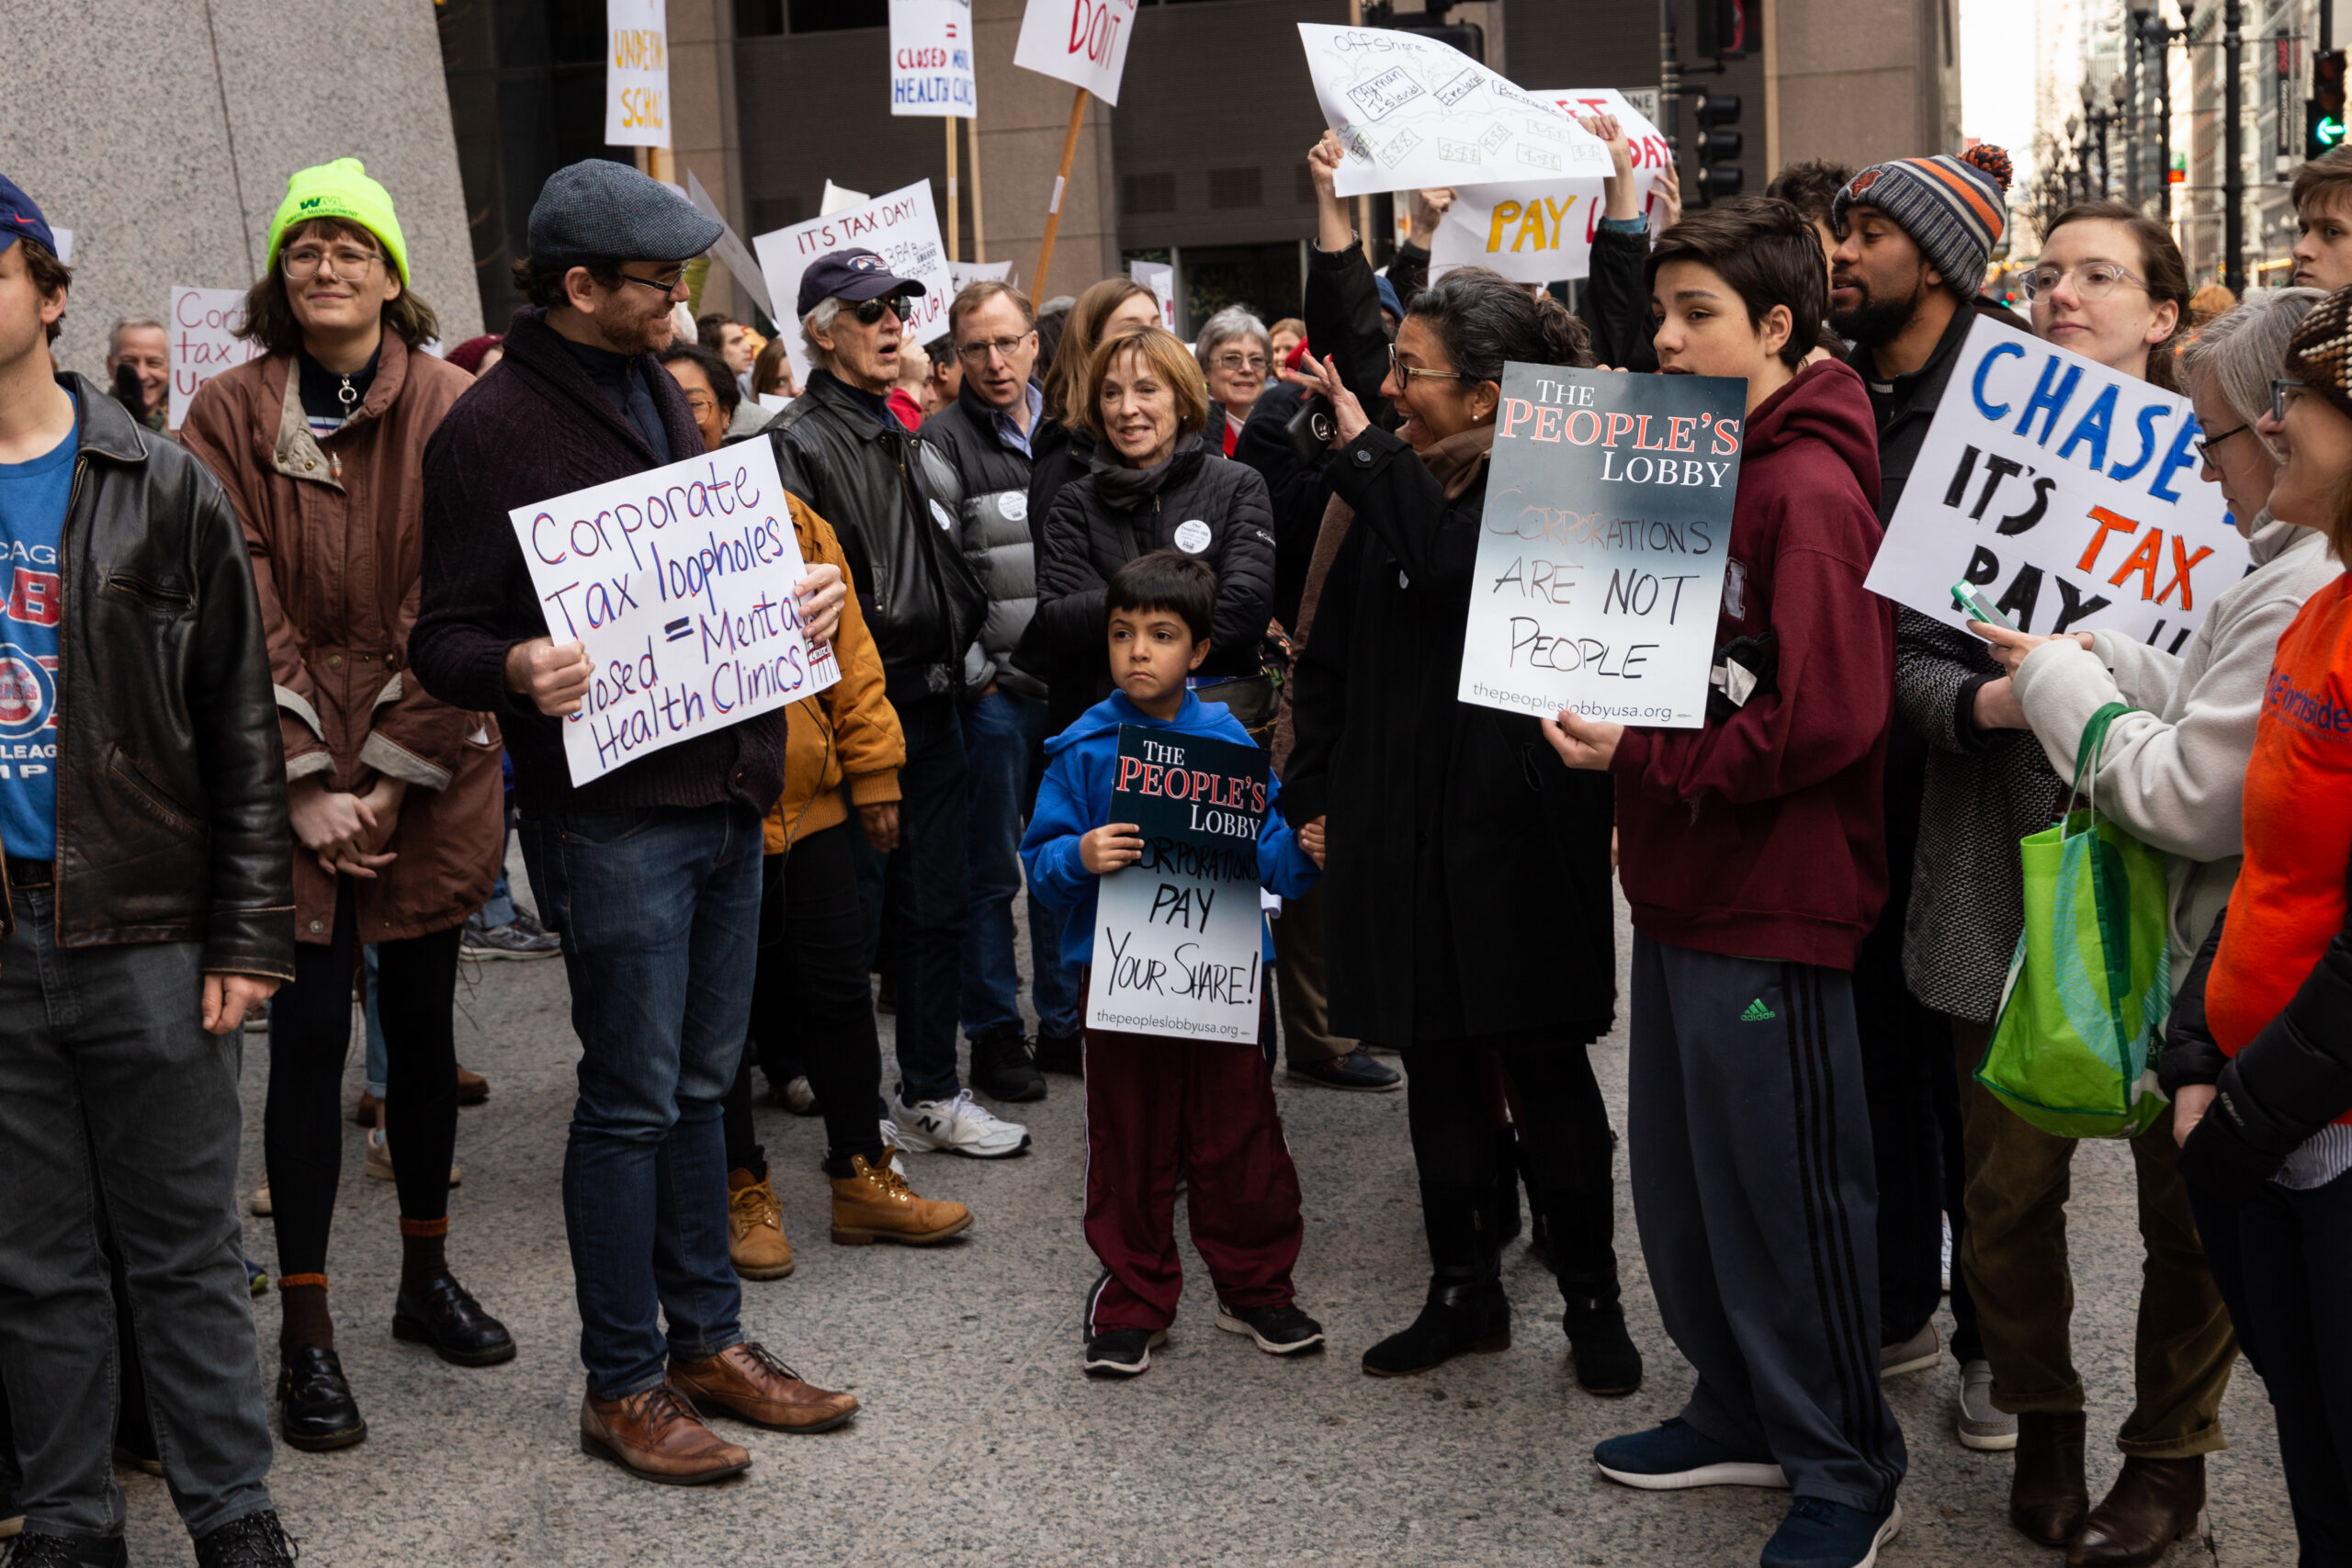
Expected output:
(19, 217)
(854, 275)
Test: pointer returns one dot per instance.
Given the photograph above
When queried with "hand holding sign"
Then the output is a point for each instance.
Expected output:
(553, 675)
(1109, 846)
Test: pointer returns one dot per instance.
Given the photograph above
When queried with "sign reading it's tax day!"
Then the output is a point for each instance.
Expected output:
(2067, 492)
(902, 228)
(679, 581)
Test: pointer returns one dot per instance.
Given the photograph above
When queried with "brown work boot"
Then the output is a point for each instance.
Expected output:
(2152, 1503)
(755, 1241)
(744, 1380)
(472, 1088)
(874, 1203)
(2048, 1496)
(658, 1435)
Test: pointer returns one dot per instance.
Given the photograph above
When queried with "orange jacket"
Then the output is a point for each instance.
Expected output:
(849, 729)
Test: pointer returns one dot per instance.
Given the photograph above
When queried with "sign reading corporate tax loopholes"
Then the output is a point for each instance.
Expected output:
(1083, 42)
(931, 59)
(1601, 552)
(679, 581)
(637, 74)
(1177, 934)
(902, 228)
(2067, 492)
(204, 341)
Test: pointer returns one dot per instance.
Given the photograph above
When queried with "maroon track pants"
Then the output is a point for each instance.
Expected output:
(1154, 1106)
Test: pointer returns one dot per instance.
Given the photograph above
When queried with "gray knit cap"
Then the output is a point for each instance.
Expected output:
(600, 210)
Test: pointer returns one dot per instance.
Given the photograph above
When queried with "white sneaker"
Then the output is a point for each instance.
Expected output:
(958, 1126)
(1947, 1220)
(1980, 1424)
(798, 1096)
(380, 1160)
(261, 1205)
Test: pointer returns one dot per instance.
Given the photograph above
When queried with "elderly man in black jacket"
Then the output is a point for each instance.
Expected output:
(149, 902)
(894, 501)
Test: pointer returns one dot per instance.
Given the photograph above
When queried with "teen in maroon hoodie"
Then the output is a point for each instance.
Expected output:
(1752, 855)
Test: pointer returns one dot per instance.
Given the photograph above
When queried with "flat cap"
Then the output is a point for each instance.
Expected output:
(600, 210)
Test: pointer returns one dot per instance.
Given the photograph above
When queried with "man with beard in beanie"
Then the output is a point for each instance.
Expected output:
(1913, 238)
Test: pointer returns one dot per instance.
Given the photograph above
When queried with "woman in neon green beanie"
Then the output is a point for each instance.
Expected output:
(395, 797)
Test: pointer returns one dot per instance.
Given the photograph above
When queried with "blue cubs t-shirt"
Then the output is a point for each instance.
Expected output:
(33, 498)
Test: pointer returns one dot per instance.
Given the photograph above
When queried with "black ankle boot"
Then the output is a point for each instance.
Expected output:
(1465, 1310)
(1585, 1258)
(316, 1412)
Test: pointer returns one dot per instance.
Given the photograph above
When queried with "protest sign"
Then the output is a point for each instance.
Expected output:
(902, 228)
(1160, 278)
(959, 273)
(1177, 934)
(1415, 113)
(1541, 230)
(931, 59)
(637, 74)
(679, 581)
(1601, 550)
(1083, 42)
(839, 198)
(730, 249)
(65, 238)
(2067, 492)
(204, 340)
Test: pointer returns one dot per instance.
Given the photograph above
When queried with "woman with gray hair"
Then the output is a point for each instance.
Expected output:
(1236, 352)
(2174, 773)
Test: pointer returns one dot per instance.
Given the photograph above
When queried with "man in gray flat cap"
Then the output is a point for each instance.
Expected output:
(651, 872)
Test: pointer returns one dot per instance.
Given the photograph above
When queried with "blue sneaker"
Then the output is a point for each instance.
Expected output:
(1819, 1534)
(1675, 1456)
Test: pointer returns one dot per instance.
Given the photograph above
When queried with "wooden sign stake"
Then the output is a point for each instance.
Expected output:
(1061, 183)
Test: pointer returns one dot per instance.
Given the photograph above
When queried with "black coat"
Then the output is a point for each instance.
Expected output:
(1467, 891)
(1087, 538)
(1295, 489)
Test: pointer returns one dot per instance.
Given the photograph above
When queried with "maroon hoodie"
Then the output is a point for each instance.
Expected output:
(1760, 835)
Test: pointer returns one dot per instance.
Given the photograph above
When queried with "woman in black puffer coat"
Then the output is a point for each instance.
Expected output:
(1152, 484)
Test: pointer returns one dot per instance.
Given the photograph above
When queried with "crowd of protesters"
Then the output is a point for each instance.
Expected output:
(328, 700)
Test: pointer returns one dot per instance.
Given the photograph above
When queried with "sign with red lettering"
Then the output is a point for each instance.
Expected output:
(1083, 42)
(2064, 491)
(1538, 230)
(931, 59)
(902, 228)
(204, 341)
(1603, 550)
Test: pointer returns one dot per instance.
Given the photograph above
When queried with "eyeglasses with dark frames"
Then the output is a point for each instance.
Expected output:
(2205, 444)
(1404, 373)
(2283, 393)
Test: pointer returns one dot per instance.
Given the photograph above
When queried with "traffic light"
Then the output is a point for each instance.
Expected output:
(2323, 111)
(1724, 27)
(1718, 146)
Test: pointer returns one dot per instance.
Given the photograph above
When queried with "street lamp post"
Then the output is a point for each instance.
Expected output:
(2232, 149)
(2078, 177)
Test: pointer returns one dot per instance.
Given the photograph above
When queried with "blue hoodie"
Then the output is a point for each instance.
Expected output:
(1075, 799)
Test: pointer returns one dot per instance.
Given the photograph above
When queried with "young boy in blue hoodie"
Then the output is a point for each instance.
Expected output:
(1156, 1105)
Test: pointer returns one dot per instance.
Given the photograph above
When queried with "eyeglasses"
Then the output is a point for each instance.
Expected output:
(2093, 280)
(350, 263)
(665, 287)
(1256, 362)
(1404, 373)
(2205, 444)
(2283, 393)
(701, 403)
(898, 305)
(1002, 347)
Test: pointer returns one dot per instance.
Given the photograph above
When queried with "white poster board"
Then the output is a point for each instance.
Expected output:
(65, 238)
(1541, 230)
(2067, 492)
(1160, 278)
(960, 274)
(731, 251)
(1083, 42)
(931, 59)
(902, 228)
(839, 198)
(1414, 112)
(205, 323)
(637, 74)
(679, 581)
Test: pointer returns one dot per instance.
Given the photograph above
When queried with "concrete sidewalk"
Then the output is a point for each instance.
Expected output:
(981, 1443)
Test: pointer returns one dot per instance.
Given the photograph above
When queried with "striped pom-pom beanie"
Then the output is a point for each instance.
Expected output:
(1953, 208)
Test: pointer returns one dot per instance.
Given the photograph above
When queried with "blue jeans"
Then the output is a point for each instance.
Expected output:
(1001, 733)
(920, 883)
(118, 1109)
(659, 911)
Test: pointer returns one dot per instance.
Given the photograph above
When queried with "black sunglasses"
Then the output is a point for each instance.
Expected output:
(898, 305)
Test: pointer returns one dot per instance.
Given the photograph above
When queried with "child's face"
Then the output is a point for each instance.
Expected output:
(1151, 652)
(2323, 252)
(1703, 330)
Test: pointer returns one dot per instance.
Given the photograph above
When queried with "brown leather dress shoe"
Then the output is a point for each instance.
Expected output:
(746, 1380)
(2152, 1503)
(472, 1088)
(363, 1112)
(874, 1204)
(658, 1435)
(2048, 1496)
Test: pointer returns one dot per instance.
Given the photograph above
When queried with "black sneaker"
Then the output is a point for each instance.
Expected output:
(258, 1541)
(1122, 1352)
(68, 1551)
(1001, 1065)
(1279, 1331)
(1062, 1054)
(1356, 1071)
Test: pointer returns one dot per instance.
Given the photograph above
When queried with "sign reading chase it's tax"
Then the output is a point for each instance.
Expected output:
(2067, 492)
(1601, 554)
(679, 581)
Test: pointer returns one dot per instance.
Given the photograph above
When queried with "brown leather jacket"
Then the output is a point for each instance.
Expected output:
(334, 527)
(847, 730)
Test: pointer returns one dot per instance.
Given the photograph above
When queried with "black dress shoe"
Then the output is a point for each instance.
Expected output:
(68, 1551)
(441, 1313)
(317, 1413)
(258, 1541)
(1357, 1070)
(1458, 1316)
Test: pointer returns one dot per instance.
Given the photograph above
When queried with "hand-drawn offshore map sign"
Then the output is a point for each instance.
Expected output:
(679, 581)
(203, 341)
(1414, 112)
(902, 228)
(2067, 492)
(1602, 553)
(1539, 230)
(1177, 935)
(931, 59)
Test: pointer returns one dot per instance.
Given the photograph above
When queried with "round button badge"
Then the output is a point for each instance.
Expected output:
(1192, 536)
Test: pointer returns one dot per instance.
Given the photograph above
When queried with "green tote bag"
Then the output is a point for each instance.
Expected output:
(2082, 1017)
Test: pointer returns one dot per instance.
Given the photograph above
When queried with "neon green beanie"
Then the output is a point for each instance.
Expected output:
(341, 189)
